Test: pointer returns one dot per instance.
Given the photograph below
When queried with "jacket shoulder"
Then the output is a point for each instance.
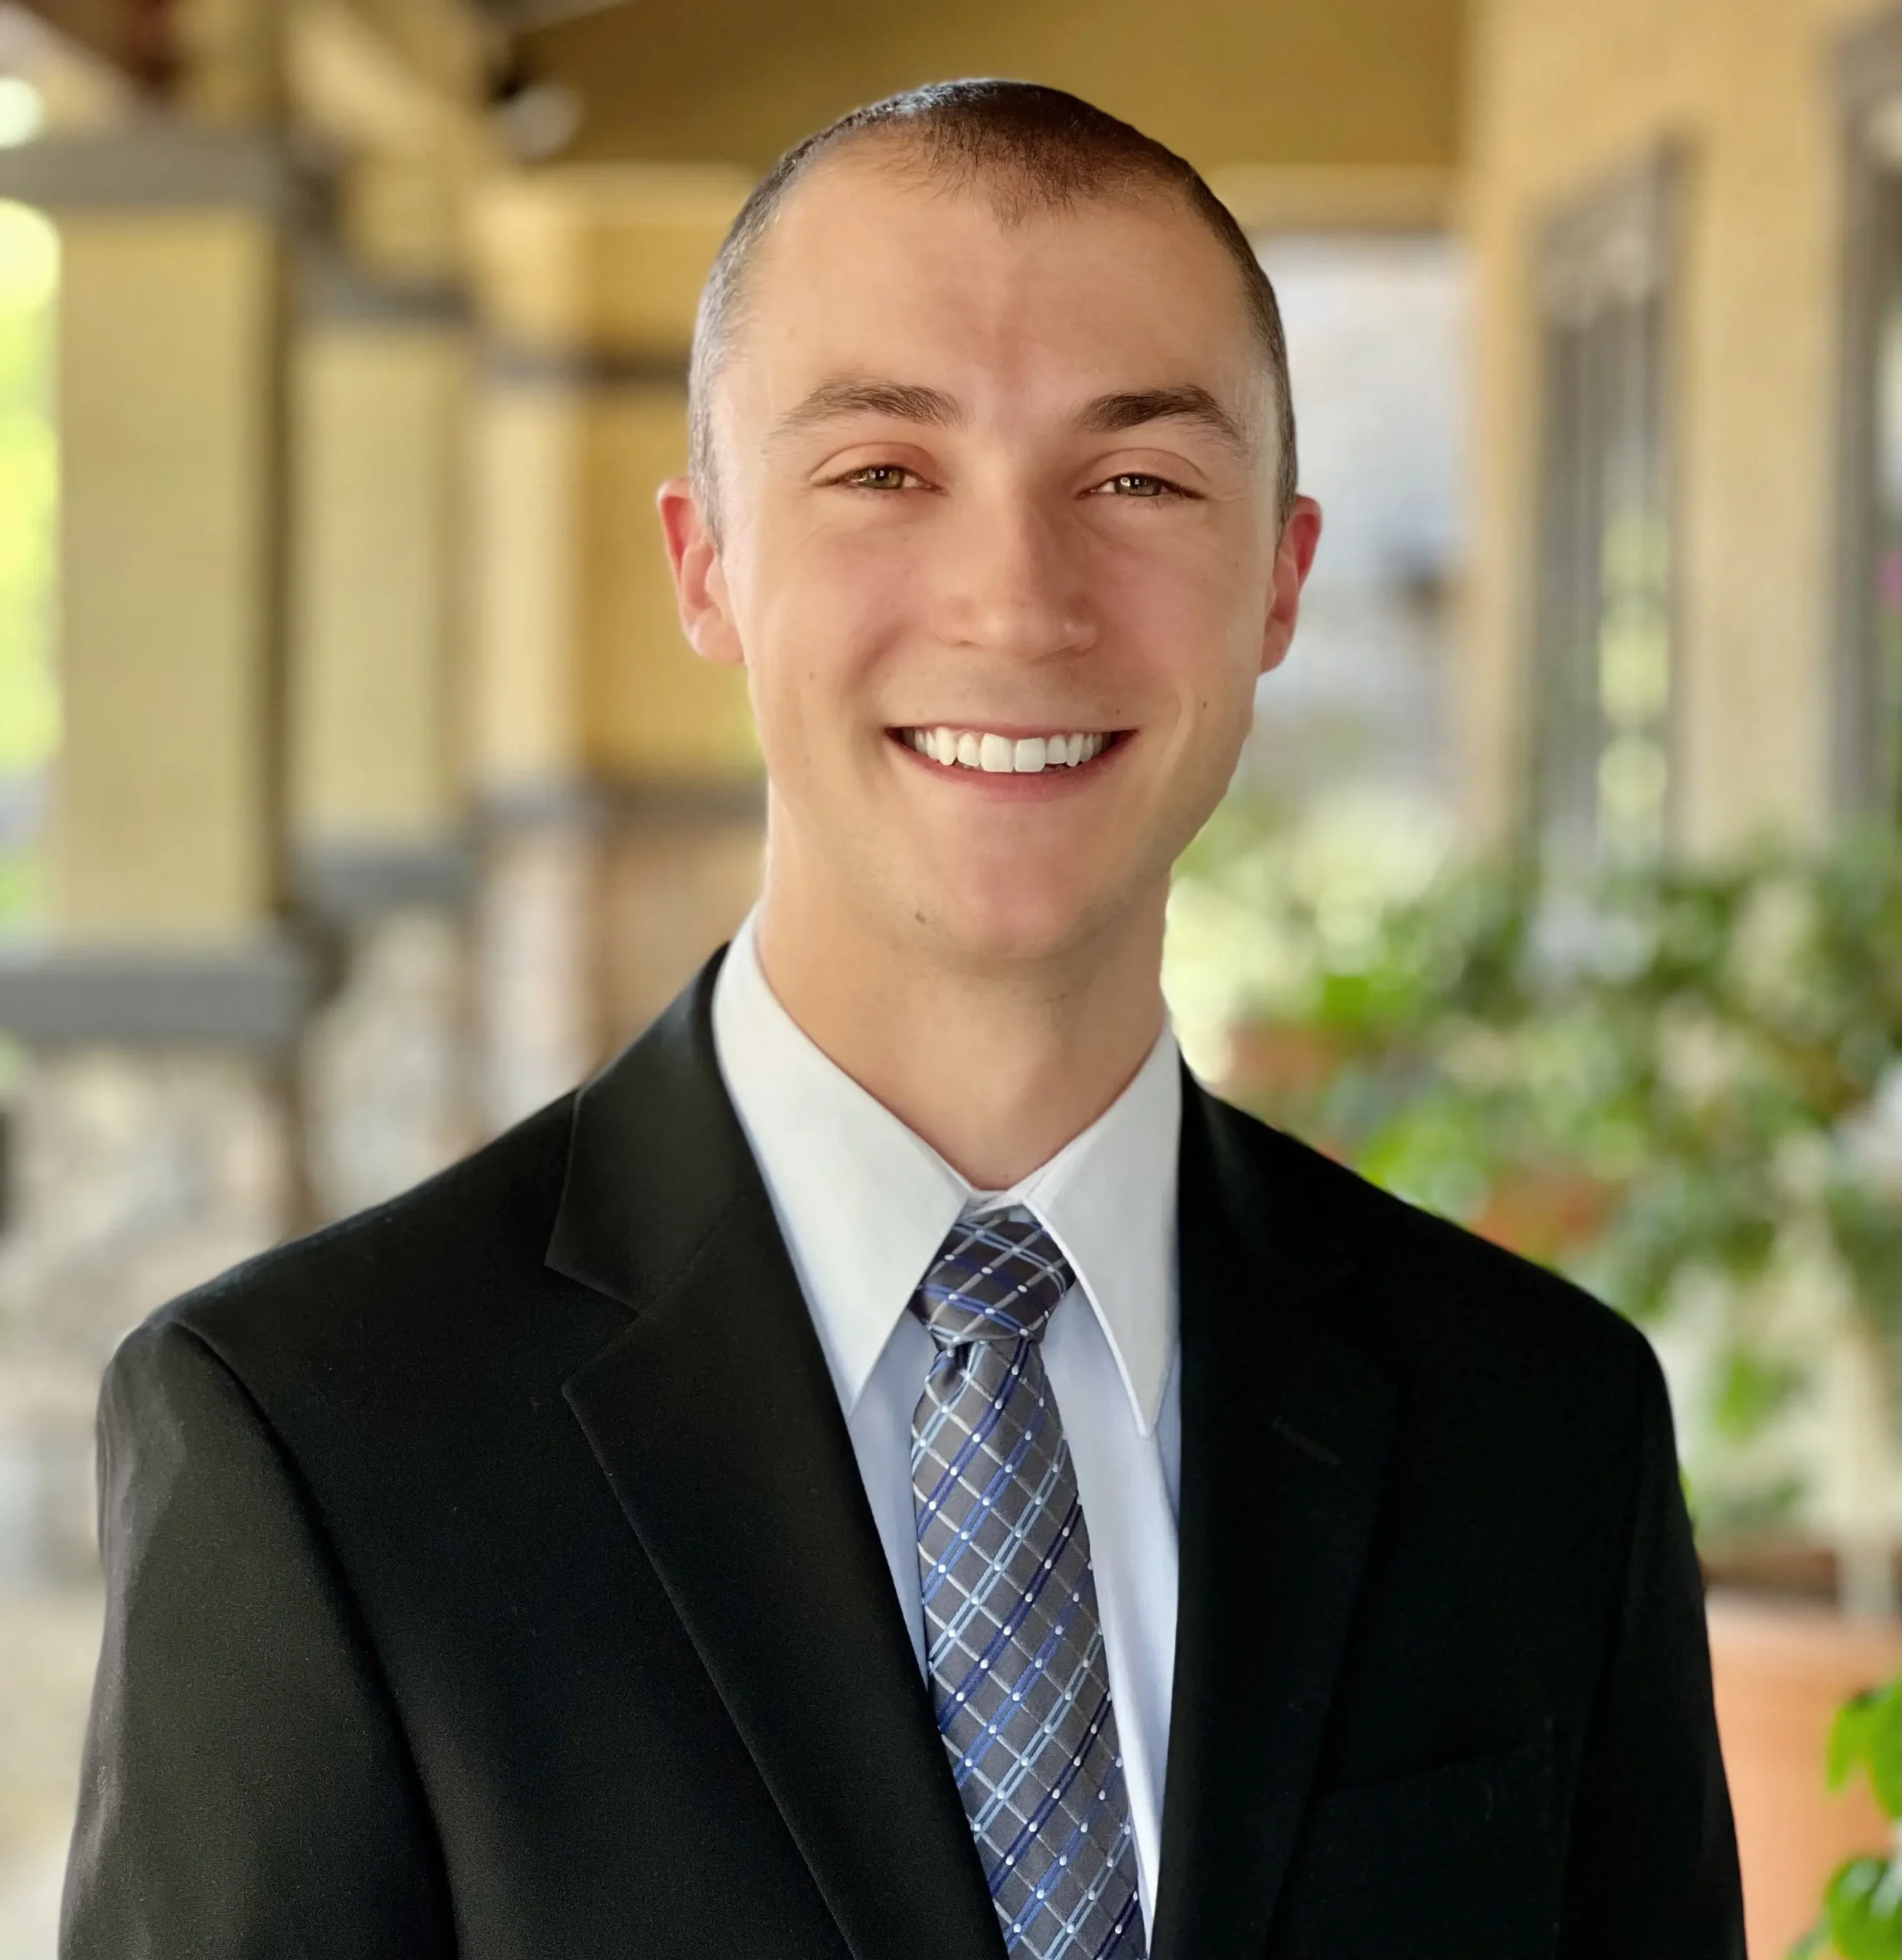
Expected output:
(1434, 1294)
(457, 1240)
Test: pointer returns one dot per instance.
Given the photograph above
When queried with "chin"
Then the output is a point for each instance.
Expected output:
(1014, 920)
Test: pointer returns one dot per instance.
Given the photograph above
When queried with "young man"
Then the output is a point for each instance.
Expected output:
(892, 1468)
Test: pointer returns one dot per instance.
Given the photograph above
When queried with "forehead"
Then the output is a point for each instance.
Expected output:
(866, 268)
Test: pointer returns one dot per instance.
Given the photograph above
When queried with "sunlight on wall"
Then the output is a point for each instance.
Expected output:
(29, 702)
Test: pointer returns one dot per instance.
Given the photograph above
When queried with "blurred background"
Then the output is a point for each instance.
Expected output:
(357, 793)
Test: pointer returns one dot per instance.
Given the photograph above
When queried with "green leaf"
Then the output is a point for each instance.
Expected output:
(1867, 1734)
(1864, 1907)
(1811, 1944)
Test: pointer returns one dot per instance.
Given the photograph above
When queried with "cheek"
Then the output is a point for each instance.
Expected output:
(828, 610)
(1195, 615)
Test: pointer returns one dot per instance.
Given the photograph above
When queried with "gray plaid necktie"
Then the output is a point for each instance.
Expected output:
(1018, 1677)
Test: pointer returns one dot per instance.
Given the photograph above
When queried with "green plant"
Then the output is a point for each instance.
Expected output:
(1861, 1914)
(1679, 1084)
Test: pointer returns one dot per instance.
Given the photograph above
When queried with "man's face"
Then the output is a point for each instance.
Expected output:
(991, 490)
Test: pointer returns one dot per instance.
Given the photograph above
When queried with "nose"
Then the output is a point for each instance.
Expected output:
(1011, 579)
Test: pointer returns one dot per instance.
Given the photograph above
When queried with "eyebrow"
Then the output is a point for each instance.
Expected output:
(1109, 414)
(902, 401)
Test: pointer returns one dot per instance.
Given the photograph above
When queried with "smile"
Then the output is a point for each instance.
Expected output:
(1002, 755)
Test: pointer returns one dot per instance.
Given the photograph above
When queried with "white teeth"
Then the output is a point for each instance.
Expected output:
(1004, 755)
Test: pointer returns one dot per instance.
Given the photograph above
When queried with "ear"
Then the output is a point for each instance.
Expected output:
(1294, 558)
(700, 583)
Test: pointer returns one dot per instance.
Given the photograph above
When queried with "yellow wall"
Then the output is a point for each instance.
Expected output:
(654, 711)
(379, 464)
(582, 668)
(1366, 82)
(1561, 93)
(161, 823)
(526, 600)
(590, 276)
(602, 260)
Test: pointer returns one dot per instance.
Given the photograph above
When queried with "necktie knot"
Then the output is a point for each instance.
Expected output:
(997, 1277)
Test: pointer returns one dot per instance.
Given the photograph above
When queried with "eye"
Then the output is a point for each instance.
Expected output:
(1139, 484)
(876, 476)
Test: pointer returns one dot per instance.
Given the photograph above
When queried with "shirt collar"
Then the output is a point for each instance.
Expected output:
(863, 1203)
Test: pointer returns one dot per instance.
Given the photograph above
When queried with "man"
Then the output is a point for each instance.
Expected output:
(892, 1468)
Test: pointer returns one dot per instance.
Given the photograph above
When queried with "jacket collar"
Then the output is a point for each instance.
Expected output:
(1285, 1433)
(716, 1421)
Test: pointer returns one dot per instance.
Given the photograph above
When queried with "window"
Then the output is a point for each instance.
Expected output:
(1601, 692)
(1868, 695)
(1376, 326)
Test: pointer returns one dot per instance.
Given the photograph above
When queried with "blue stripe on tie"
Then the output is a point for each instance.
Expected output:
(1000, 1639)
(985, 1423)
(993, 1730)
(1125, 1919)
(978, 1309)
(981, 1431)
(1004, 1791)
(977, 1594)
(1001, 1480)
(1007, 1864)
(963, 1525)
(1111, 1788)
(1067, 1930)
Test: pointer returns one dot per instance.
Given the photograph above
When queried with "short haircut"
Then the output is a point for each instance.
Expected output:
(1032, 149)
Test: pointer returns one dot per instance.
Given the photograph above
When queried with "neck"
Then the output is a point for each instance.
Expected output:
(997, 1065)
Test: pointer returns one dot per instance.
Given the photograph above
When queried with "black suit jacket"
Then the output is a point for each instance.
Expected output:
(490, 1574)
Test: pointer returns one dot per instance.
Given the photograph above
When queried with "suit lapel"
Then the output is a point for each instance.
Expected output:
(1284, 1438)
(715, 1421)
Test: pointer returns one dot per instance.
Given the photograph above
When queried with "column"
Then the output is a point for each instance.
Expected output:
(380, 854)
(153, 1135)
(617, 775)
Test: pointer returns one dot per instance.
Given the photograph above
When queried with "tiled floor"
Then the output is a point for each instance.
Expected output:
(49, 1643)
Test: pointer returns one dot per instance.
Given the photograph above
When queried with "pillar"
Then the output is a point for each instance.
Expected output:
(380, 856)
(617, 775)
(153, 1136)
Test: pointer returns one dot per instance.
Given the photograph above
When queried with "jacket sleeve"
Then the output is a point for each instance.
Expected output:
(245, 1789)
(1653, 1871)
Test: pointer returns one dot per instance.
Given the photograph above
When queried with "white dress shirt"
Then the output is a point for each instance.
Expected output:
(864, 1205)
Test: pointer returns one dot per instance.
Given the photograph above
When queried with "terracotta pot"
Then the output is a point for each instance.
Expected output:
(1781, 1667)
(1271, 1063)
(1545, 1212)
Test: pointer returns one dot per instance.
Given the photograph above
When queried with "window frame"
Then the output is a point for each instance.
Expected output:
(1615, 246)
(1866, 76)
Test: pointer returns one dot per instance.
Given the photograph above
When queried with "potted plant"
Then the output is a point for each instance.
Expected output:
(1860, 1917)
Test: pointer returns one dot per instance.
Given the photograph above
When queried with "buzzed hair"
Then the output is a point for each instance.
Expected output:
(1032, 149)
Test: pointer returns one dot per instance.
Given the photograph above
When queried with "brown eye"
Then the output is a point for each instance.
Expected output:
(878, 476)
